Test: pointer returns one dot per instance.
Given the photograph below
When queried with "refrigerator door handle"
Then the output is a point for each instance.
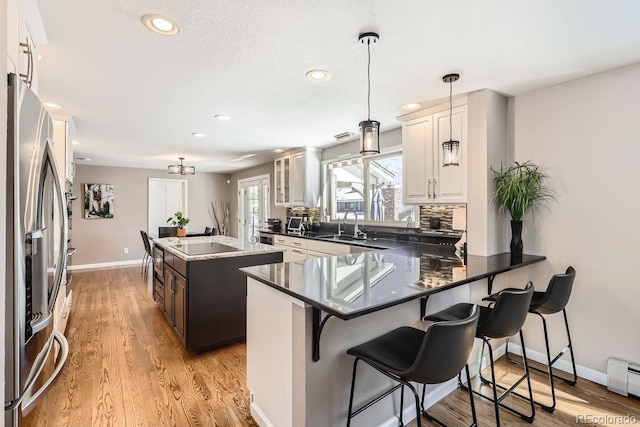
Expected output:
(31, 402)
(36, 234)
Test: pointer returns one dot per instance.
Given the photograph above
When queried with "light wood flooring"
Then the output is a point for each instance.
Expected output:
(127, 368)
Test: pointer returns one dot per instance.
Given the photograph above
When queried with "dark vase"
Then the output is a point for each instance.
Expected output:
(516, 241)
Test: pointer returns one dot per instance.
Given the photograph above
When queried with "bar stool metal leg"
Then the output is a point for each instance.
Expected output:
(497, 400)
(550, 362)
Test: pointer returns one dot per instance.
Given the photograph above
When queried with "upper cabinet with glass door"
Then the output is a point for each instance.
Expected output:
(426, 179)
(297, 178)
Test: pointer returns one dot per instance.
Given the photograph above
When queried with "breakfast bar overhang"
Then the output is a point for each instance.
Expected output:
(372, 292)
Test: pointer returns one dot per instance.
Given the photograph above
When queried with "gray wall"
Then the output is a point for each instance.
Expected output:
(585, 135)
(103, 240)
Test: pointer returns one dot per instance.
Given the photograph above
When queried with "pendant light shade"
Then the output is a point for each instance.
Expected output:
(450, 148)
(369, 137)
(369, 129)
(181, 169)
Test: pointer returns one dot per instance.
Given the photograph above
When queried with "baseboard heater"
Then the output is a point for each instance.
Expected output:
(623, 377)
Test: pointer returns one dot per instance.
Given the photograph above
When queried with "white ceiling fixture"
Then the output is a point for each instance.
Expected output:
(75, 142)
(199, 134)
(411, 106)
(318, 75)
(222, 117)
(84, 159)
(181, 169)
(52, 105)
(135, 95)
(278, 150)
(160, 24)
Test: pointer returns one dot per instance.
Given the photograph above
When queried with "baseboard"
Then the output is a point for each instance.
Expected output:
(258, 416)
(563, 365)
(104, 264)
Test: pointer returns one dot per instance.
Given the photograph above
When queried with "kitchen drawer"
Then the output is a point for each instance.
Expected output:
(328, 247)
(180, 266)
(281, 240)
(298, 243)
(298, 254)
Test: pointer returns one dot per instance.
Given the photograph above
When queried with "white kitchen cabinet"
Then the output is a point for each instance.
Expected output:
(282, 176)
(297, 178)
(426, 180)
(63, 134)
(13, 35)
(25, 32)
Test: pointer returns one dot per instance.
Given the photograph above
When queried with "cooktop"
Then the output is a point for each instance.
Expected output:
(204, 248)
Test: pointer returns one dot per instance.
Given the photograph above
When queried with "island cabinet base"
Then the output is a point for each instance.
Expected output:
(288, 389)
(215, 302)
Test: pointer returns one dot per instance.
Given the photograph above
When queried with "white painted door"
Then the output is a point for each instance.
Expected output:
(166, 197)
(253, 207)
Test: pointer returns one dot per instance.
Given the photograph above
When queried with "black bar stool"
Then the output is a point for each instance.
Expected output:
(148, 256)
(409, 354)
(553, 300)
(503, 320)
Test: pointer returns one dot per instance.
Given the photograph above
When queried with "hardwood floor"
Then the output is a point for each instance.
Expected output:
(127, 368)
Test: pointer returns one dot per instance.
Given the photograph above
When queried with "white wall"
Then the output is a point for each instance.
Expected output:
(586, 135)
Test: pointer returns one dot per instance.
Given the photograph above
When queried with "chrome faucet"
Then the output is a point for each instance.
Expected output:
(356, 232)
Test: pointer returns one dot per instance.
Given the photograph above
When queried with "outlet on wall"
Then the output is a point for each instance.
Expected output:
(125, 251)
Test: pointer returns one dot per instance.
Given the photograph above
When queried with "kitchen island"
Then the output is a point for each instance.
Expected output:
(301, 374)
(199, 289)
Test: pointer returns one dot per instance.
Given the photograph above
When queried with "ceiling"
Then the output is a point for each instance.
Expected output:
(136, 96)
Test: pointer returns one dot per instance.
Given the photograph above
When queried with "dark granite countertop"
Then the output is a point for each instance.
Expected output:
(352, 285)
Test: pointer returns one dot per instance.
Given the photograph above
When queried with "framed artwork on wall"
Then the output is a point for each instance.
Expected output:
(98, 201)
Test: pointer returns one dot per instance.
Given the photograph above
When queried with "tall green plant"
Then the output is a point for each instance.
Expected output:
(519, 188)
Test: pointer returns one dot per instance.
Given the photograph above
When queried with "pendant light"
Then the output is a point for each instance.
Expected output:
(369, 129)
(451, 148)
(181, 169)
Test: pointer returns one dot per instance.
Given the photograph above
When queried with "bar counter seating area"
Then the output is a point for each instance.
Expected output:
(376, 338)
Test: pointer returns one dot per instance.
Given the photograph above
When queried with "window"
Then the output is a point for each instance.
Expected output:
(371, 187)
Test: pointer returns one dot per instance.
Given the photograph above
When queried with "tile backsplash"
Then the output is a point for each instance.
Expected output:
(443, 213)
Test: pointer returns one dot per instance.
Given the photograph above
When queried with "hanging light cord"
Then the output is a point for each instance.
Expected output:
(368, 81)
(450, 109)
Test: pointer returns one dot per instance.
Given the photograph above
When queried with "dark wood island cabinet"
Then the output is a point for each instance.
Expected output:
(200, 290)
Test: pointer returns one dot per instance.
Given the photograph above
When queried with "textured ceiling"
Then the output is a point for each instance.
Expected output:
(136, 96)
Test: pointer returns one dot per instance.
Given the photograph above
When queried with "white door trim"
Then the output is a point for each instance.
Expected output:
(185, 197)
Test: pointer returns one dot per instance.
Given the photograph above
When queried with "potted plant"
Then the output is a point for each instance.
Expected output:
(516, 190)
(180, 221)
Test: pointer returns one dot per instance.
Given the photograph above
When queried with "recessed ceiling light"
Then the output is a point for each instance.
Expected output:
(278, 150)
(160, 24)
(40, 56)
(52, 105)
(74, 142)
(411, 106)
(199, 134)
(318, 75)
(246, 156)
(222, 117)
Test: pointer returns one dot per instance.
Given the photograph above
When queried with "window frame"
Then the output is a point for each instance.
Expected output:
(328, 195)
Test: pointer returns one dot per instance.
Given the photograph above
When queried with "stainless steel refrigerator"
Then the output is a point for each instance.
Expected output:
(36, 254)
